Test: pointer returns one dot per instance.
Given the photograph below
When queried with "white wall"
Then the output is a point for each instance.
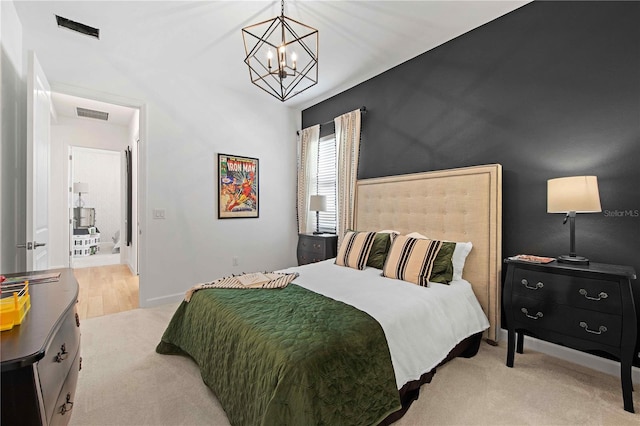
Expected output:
(185, 123)
(78, 132)
(188, 125)
(12, 146)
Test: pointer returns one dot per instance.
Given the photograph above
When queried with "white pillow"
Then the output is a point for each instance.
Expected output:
(460, 254)
(459, 257)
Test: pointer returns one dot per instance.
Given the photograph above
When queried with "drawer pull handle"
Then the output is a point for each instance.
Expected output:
(601, 329)
(526, 284)
(67, 406)
(535, 317)
(601, 296)
(63, 354)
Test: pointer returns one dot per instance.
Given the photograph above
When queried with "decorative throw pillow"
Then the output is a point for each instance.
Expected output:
(443, 266)
(411, 259)
(391, 232)
(354, 249)
(460, 253)
(379, 250)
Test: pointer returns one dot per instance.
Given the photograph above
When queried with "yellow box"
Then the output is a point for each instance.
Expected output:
(13, 309)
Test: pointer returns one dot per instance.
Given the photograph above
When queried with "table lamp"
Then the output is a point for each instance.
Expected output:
(318, 203)
(571, 195)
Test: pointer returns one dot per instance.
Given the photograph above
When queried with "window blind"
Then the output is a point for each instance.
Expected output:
(326, 182)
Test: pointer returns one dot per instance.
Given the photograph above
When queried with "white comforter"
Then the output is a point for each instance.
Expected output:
(421, 324)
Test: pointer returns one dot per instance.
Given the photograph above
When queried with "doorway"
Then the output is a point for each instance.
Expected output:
(94, 140)
(97, 213)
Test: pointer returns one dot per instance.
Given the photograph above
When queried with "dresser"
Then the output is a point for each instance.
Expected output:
(316, 247)
(584, 307)
(41, 356)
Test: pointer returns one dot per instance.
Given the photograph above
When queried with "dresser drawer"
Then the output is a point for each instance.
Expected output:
(54, 368)
(536, 314)
(65, 402)
(312, 245)
(587, 293)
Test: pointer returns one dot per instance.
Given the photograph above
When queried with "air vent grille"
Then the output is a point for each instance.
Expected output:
(78, 27)
(89, 113)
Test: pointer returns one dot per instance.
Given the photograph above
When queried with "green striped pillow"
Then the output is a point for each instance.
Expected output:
(354, 249)
(411, 259)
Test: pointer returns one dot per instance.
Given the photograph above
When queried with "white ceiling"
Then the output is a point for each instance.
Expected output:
(66, 105)
(358, 39)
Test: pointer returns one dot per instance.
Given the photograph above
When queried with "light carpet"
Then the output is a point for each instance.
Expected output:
(124, 382)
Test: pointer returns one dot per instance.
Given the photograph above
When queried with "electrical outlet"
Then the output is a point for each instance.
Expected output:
(234, 261)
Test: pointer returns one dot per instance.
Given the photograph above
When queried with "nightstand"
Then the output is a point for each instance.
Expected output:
(584, 307)
(316, 247)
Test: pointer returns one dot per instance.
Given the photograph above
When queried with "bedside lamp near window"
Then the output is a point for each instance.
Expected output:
(318, 203)
(571, 195)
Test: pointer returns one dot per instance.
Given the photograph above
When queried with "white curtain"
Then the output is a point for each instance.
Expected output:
(307, 175)
(348, 140)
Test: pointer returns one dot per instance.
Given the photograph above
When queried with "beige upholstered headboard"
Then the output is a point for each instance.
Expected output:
(462, 204)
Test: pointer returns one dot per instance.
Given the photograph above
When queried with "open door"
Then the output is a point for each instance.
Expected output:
(38, 159)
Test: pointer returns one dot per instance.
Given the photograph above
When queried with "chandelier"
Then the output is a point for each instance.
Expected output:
(282, 55)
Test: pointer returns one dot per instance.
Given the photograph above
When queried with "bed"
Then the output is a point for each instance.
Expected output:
(341, 345)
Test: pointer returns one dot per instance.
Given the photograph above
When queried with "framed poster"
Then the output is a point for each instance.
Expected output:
(238, 195)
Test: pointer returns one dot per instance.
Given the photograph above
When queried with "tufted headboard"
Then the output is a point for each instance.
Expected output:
(462, 204)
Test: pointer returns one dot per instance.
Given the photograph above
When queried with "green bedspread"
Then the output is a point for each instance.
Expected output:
(286, 356)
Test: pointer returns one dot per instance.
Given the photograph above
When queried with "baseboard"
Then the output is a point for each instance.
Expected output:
(163, 300)
(581, 358)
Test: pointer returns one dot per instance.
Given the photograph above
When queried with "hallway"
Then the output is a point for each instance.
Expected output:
(106, 290)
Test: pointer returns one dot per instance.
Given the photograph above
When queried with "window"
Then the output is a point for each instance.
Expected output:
(326, 182)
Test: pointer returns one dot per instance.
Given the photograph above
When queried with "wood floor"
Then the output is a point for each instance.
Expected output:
(106, 290)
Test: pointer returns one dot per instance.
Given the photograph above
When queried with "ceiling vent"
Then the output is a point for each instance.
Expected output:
(89, 113)
(78, 27)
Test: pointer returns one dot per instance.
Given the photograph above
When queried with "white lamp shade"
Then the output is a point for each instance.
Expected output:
(318, 203)
(81, 187)
(573, 194)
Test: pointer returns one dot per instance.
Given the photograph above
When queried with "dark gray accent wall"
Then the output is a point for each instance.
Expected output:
(551, 89)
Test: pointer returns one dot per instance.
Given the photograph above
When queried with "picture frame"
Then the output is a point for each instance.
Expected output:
(238, 187)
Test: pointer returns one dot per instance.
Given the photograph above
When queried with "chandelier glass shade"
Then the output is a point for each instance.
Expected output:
(282, 56)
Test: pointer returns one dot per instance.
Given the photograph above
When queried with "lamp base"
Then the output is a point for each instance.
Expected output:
(574, 260)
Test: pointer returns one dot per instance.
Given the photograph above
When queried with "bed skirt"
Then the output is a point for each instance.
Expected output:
(411, 391)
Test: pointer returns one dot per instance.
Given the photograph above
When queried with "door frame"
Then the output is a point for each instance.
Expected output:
(141, 193)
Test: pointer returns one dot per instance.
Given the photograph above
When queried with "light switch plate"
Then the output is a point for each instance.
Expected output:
(158, 213)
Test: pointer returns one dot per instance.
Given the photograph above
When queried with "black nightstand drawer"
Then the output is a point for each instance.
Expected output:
(535, 314)
(305, 257)
(595, 294)
(312, 244)
(316, 247)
